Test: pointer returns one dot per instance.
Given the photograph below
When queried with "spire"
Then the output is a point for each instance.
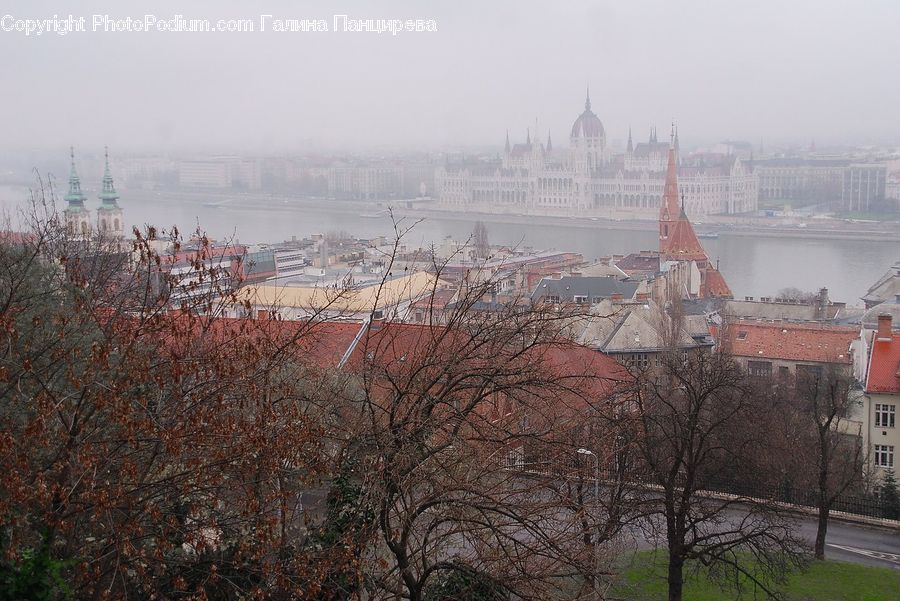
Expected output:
(108, 195)
(630, 147)
(677, 147)
(507, 141)
(587, 99)
(75, 198)
(670, 210)
(549, 142)
(528, 135)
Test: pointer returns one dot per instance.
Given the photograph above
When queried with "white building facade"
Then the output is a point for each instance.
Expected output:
(586, 178)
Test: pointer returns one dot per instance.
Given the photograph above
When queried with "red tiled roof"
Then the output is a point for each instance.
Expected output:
(682, 243)
(884, 367)
(396, 346)
(715, 285)
(319, 344)
(790, 341)
(639, 263)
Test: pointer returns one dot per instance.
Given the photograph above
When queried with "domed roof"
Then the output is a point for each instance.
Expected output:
(587, 125)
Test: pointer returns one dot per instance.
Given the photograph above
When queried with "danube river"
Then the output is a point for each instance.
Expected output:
(753, 266)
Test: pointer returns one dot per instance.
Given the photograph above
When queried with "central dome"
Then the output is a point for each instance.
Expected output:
(587, 125)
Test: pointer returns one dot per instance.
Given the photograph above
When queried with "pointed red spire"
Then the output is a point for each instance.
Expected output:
(669, 210)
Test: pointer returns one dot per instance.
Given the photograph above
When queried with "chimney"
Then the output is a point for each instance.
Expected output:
(884, 329)
(642, 296)
(822, 305)
(617, 296)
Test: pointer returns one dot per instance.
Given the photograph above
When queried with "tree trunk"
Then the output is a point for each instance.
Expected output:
(821, 531)
(676, 577)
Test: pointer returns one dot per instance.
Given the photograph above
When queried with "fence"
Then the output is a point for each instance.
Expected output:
(870, 506)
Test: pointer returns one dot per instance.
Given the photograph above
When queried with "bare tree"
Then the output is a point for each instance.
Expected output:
(694, 434)
(796, 295)
(158, 449)
(453, 423)
(830, 454)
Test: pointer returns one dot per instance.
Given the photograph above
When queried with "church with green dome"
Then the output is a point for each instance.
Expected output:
(110, 218)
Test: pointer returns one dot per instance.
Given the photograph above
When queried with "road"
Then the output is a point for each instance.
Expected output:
(846, 541)
(857, 544)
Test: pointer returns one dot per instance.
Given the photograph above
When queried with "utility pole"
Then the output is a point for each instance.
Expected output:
(597, 503)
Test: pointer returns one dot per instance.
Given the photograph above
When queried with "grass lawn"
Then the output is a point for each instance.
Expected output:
(645, 580)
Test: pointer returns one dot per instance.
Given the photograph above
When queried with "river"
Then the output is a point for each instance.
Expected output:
(753, 266)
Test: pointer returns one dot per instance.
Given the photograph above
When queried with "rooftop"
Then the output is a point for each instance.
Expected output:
(816, 343)
(566, 288)
(351, 300)
(884, 368)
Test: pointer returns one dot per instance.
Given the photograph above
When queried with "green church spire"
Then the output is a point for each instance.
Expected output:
(75, 198)
(108, 195)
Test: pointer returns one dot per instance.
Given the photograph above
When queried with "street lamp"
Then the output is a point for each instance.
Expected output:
(596, 471)
(597, 502)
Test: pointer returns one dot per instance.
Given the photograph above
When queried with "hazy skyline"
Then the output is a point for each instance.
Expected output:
(797, 71)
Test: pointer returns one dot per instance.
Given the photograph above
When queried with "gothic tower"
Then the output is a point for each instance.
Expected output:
(677, 239)
(76, 216)
(109, 215)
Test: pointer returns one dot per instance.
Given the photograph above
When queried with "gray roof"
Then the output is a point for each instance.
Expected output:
(635, 327)
(886, 288)
(568, 287)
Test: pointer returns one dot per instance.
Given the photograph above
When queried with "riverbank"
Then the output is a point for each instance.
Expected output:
(844, 231)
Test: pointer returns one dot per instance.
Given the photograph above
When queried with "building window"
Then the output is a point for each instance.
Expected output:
(742, 335)
(885, 415)
(639, 360)
(515, 458)
(810, 373)
(884, 455)
(581, 300)
(553, 299)
(759, 369)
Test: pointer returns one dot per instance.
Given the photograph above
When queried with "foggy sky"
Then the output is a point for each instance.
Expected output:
(760, 70)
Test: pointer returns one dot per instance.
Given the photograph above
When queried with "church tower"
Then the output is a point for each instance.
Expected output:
(677, 239)
(76, 216)
(109, 215)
